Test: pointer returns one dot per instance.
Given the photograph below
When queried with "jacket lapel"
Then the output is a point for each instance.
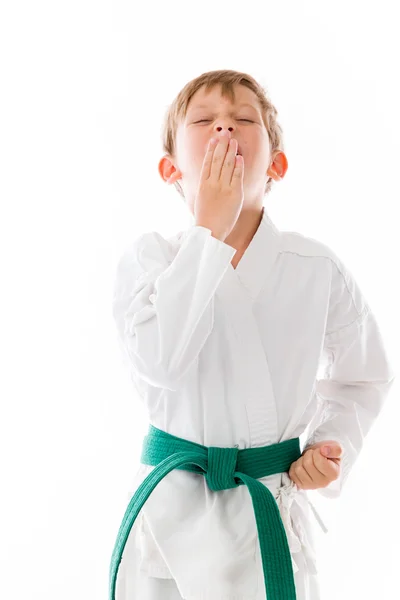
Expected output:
(237, 292)
(259, 257)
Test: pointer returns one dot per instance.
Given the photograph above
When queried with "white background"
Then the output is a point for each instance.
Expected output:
(84, 89)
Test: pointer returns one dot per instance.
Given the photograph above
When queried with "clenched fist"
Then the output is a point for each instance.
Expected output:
(316, 468)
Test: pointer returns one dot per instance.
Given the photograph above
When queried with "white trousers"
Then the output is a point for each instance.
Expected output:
(134, 584)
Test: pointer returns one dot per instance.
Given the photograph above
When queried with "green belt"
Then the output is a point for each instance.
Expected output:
(223, 468)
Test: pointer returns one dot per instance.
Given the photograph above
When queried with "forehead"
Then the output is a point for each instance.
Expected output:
(208, 98)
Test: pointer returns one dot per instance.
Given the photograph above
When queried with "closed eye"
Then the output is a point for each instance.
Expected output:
(207, 120)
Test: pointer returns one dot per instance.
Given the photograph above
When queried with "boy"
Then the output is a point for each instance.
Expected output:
(226, 326)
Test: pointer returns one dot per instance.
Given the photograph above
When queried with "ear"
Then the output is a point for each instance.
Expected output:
(167, 170)
(278, 166)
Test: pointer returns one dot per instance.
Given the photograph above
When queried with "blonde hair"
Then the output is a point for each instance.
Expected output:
(227, 79)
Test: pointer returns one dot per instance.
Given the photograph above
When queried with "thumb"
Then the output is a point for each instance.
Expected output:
(331, 450)
(327, 448)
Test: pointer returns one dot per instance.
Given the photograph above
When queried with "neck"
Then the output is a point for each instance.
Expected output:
(245, 227)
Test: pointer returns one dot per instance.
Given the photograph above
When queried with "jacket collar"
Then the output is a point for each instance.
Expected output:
(256, 262)
(259, 257)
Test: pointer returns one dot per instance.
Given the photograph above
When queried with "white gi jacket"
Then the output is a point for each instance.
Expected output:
(224, 357)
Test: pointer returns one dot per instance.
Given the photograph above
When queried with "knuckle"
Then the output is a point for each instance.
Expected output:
(318, 458)
(308, 459)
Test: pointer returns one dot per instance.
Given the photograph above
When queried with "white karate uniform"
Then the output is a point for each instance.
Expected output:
(224, 357)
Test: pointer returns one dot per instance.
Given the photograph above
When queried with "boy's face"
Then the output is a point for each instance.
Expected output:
(209, 115)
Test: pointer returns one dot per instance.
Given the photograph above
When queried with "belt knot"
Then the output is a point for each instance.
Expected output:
(221, 467)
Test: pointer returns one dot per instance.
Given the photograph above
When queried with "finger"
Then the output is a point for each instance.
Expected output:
(303, 476)
(312, 467)
(293, 476)
(321, 463)
(329, 468)
(297, 482)
(298, 475)
(219, 157)
(229, 163)
(207, 162)
(238, 171)
(317, 476)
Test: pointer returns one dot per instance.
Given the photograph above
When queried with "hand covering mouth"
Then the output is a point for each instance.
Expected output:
(239, 150)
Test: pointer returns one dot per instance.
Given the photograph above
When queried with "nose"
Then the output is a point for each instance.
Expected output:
(221, 128)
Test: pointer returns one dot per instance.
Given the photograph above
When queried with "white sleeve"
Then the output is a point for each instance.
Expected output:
(357, 379)
(163, 307)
